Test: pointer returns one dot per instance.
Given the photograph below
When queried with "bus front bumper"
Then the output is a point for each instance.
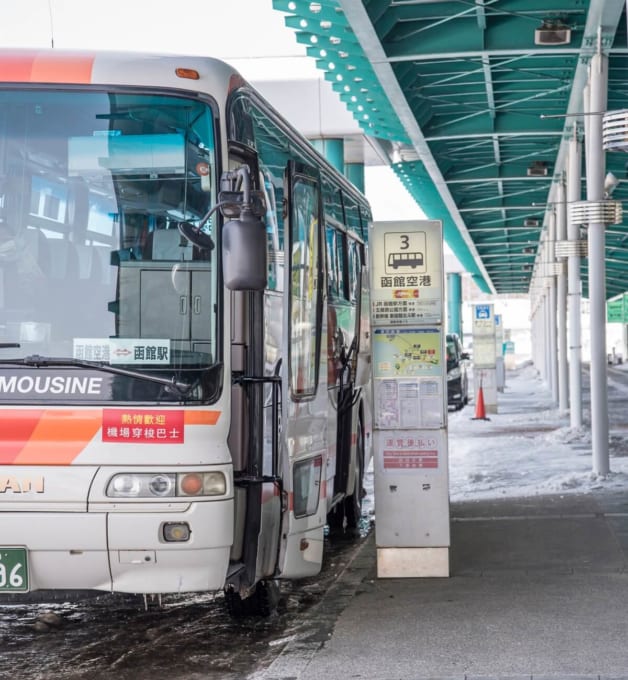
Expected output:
(123, 551)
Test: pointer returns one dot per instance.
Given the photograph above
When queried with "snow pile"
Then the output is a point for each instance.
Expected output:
(529, 448)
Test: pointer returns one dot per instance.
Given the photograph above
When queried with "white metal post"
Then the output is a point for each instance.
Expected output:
(598, 83)
(544, 335)
(533, 325)
(561, 302)
(551, 302)
(540, 335)
(574, 161)
(548, 335)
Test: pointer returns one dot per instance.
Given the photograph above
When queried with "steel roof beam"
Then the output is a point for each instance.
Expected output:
(489, 181)
(372, 48)
(495, 208)
(536, 97)
(507, 136)
(471, 202)
(477, 54)
(478, 222)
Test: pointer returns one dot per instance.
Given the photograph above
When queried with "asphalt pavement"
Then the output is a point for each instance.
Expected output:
(538, 590)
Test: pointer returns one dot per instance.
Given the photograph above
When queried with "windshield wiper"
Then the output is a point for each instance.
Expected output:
(9, 345)
(182, 388)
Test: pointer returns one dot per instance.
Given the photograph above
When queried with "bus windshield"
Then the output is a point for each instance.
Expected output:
(93, 268)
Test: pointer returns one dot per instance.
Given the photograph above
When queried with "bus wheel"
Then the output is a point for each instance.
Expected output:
(353, 503)
(262, 602)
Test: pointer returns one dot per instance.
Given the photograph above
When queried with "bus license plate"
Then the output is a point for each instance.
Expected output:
(13, 570)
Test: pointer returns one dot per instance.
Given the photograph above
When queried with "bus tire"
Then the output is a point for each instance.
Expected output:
(261, 603)
(353, 503)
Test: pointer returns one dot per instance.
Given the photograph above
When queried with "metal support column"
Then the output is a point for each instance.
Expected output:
(561, 301)
(551, 301)
(354, 172)
(574, 162)
(548, 334)
(454, 303)
(333, 150)
(545, 343)
(598, 85)
(541, 334)
(538, 336)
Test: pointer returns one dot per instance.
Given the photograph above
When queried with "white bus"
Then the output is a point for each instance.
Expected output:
(185, 390)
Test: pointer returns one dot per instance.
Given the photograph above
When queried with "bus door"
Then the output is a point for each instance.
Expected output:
(345, 352)
(305, 432)
(253, 436)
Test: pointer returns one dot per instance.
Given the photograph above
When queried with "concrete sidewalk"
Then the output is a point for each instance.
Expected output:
(538, 589)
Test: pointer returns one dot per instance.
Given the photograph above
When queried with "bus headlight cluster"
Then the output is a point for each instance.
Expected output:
(166, 484)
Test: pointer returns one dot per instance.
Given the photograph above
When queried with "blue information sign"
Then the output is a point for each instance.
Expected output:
(482, 311)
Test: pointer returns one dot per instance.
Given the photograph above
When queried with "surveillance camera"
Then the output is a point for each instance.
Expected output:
(610, 183)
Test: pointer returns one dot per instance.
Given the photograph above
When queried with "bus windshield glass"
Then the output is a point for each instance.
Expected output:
(93, 267)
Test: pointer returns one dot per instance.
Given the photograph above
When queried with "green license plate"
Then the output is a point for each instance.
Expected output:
(13, 570)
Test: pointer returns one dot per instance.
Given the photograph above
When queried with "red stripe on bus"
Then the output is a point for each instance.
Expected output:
(36, 67)
(201, 417)
(56, 69)
(59, 437)
(16, 68)
(16, 428)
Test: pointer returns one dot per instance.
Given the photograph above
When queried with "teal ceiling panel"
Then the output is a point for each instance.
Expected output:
(475, 101)
(418, 183)
(323, 28)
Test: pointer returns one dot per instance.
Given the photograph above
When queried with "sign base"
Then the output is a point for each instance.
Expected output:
(412, 562)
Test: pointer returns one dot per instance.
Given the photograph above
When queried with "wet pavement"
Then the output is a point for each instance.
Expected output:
(188, 637)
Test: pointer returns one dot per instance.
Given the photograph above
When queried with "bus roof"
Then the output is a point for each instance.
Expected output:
(49, 65)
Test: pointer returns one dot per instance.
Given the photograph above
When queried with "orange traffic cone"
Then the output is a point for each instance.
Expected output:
(480, 411)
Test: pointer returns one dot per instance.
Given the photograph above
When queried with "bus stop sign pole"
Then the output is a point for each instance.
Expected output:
(410, 400)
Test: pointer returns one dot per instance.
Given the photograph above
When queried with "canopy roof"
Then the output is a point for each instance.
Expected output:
(474, 102)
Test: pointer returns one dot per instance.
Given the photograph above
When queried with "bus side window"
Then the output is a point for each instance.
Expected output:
(355, 268)
(305, 296)
(342, 266)
(274, 233)
(333, 288)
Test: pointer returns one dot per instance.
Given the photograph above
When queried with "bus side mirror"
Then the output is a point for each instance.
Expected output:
(244, 258)
(244, 245)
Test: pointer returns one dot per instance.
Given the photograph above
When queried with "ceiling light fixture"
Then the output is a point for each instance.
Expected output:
(552, 32)
(538, 169)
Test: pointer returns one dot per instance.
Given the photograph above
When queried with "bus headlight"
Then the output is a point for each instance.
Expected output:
(161, 485)
(166, 484)
(124, 485)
